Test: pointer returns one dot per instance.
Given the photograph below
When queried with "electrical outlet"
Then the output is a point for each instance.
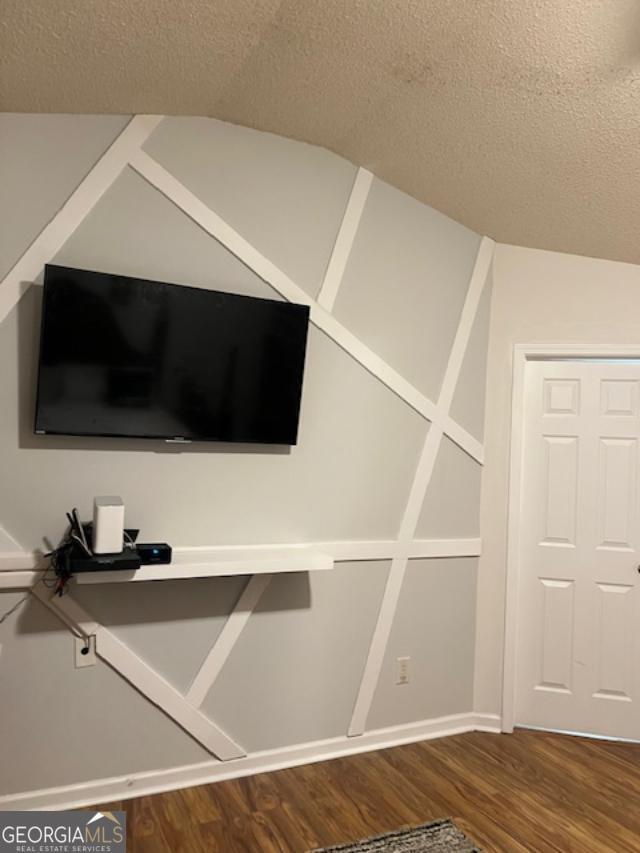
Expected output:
(403, 670)
(85, 650)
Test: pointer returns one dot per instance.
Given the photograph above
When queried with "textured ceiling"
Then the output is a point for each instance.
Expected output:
(519, 118)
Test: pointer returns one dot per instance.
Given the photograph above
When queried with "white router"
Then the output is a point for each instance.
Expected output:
(108, 525)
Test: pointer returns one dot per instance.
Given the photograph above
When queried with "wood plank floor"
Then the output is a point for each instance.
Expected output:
(529, 791)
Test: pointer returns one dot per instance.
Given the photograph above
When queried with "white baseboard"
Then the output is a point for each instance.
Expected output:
(156, 781)
(488, 723)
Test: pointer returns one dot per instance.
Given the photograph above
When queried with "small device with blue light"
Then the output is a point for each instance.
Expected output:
(156, 553)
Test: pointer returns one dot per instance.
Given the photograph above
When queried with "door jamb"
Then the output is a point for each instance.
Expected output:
(522, 353)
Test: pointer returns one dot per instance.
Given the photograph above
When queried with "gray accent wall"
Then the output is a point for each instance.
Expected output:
(435, 627)
(294, 674)
(286, 198)
(154, 620)
(42, 160)
(134, 230)
(315, 630)
(61, 725)
(451, 504)
(467, 407)
(405, 284)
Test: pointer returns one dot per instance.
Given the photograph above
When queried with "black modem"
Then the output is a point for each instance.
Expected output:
(79, 561)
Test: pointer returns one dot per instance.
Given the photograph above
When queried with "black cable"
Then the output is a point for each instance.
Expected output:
(45, 580)
(59, 564)
(13, 608)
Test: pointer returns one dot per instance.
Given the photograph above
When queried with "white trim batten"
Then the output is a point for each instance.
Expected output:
(424, 470)
(219, 654)
(21, 561)
(88, 192)
(345, 239)
(216, 227)
(18, 579)
(139, 674)
(392, 590)
(166, 697)
(476, 288)
(379, 641)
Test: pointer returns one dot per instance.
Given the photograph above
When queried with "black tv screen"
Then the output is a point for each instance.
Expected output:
(123, 356)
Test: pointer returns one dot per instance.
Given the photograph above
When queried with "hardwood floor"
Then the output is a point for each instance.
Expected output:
(529, 791)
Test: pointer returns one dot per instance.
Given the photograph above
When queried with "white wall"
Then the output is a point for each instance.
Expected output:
(538, 297)
(296, 670)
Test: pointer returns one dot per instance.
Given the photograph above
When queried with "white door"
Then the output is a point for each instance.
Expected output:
(578, 629)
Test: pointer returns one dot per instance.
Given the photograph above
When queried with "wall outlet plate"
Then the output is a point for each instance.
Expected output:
(85, 651)
(402, 676)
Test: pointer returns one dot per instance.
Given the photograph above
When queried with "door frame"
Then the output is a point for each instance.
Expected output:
(523, 353)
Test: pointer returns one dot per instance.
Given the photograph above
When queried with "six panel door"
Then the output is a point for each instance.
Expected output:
(578, 634)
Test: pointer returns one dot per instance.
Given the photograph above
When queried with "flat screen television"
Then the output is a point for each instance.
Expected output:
(123, 356)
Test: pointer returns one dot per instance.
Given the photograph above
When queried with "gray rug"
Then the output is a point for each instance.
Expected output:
(442, 836)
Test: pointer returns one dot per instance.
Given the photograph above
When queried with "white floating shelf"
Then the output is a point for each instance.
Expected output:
(241, 561)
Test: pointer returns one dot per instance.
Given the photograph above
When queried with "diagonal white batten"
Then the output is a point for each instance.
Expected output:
(88, 192)
(418, 491)
(219, 654)
(166, 697)
(344, 241)
(214, 225)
